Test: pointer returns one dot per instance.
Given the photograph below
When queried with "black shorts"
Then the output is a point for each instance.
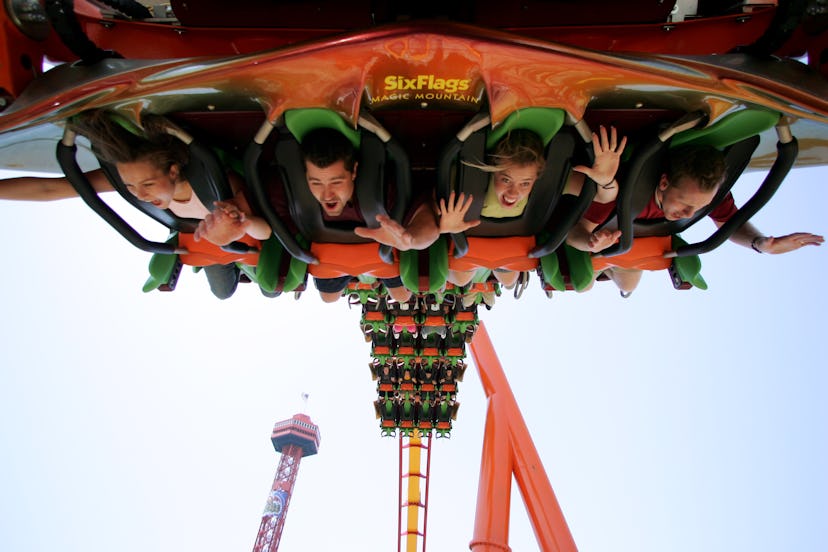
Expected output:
(332, 285)
(336, 285)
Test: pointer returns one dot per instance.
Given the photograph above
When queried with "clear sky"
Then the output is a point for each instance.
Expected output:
(678, 421)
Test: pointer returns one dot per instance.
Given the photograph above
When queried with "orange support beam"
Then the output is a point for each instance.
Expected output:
(508, 449)
(494, 488)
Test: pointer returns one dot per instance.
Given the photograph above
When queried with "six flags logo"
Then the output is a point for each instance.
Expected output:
(398, 83)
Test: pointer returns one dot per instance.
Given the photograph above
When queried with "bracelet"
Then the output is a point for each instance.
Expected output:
(609, 185)
(754, 246)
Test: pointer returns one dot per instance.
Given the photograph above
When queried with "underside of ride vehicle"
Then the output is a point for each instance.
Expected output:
(431, 85)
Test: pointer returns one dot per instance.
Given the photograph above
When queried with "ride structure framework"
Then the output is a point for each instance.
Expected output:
(440, 75)
(413, 365)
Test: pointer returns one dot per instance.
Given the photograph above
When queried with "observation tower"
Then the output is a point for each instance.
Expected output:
(294, 439)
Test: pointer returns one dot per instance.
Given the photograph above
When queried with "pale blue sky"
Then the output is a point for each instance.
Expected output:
(678, 421)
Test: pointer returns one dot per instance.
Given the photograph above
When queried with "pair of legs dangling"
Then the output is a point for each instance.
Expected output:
(462, 278)
(330, 289)
(626, 279)
(508, 278)
(224, 279)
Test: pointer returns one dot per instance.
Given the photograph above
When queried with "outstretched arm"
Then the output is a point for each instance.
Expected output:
(421, 231)
(35, 188)
(453, 213)
(608, 150)
(748, 235)
(390, 232)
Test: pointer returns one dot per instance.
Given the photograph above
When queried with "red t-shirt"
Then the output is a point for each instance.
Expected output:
(721, 213)
(600, 212)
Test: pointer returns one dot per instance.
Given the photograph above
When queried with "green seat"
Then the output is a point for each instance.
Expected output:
(550, 268)
(580, 267)
(268, 270)
(688, 268)
(163, 267)
(543, 121)
(301, 121)
(729, 129)
(437, 267)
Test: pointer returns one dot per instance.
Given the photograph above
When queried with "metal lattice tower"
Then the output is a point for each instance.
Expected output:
(293, 438)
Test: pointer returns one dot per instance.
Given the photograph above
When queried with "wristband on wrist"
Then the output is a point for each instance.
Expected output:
(756, 247)
(609, 185)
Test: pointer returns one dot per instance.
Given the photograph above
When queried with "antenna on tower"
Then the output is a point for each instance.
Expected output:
(305, 401)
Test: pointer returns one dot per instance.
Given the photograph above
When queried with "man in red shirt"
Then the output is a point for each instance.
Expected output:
(689, 184)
